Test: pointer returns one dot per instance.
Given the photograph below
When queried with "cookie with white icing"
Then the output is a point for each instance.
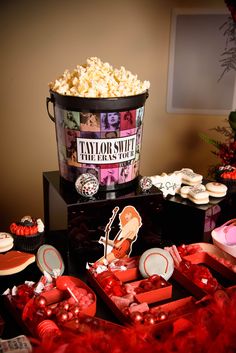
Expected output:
(6, 242)
(216, 189)
(189, 177)
(196, 194)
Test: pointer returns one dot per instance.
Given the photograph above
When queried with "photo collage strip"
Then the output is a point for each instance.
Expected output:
(115, 127)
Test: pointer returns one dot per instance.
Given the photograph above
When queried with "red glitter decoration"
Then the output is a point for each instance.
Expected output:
(210, 329)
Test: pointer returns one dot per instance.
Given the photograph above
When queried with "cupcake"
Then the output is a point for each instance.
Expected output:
(28, 233)
(227, 176)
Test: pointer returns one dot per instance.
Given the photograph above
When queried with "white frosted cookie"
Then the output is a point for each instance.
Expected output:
(189, 177)
(184, 190)
(216, 189)
(6, 241)
(196, 194)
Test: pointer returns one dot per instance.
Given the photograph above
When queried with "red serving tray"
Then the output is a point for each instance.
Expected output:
(175, 308)
(203, 258)
(52, 296)
(127, 276)
(86, 322)
(154, 295)
(179, 307)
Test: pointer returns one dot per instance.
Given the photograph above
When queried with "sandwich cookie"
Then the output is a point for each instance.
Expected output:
(6, 241)
(216, 189)
(189, 177)
(196, 194)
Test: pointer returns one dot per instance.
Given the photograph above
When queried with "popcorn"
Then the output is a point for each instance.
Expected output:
(96, 79)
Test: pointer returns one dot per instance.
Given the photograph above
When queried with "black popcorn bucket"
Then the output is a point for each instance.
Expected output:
(101, 136)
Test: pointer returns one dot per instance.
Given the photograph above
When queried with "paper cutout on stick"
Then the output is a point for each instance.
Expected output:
(121, 246)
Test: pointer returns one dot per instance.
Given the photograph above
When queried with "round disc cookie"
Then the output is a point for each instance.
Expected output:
(156, 261)
(49, 259)
(215, 189)
(6, 241)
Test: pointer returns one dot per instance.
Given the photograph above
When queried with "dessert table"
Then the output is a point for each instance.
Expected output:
(155, 215)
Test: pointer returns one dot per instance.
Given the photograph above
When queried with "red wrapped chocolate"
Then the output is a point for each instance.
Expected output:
(111, 284)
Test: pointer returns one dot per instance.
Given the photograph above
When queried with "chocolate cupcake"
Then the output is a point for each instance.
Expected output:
(28, 233)
(227, 176)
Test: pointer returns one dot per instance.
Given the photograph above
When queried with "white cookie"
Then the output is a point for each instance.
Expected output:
(216, 189)
(184, 190)
(196, 194)
(6, 241)
(189, 177)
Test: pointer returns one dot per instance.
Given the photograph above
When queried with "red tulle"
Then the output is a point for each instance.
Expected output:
(210, 329)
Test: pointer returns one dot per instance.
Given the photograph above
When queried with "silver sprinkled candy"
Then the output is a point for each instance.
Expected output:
(87, 185)
(145, 183)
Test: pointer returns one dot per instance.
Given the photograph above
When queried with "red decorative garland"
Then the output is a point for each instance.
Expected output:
(210, 329)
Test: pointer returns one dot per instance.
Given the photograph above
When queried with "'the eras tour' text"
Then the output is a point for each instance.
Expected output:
(104, 151)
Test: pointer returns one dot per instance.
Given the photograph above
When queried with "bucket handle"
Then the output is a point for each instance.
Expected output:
(49, 100)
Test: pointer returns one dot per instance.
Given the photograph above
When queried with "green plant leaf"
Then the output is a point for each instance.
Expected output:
(209, 140)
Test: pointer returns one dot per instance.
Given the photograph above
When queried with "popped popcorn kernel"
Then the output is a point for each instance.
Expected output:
(96, 79)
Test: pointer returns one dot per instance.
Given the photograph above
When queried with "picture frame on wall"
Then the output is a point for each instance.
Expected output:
(196, 47)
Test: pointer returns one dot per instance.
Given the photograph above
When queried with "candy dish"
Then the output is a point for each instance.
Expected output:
(60, 301)
(200, 271)
(138, 310)
(216, 252)
(224, 237)
(199, 280)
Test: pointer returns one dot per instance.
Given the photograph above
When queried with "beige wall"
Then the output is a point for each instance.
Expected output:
(39, 39)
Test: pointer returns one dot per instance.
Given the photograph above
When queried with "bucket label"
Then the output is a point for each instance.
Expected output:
(106, 144)
(106, 151)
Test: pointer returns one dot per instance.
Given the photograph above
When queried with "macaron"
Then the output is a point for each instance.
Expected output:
(6, 242)
(215, 189)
